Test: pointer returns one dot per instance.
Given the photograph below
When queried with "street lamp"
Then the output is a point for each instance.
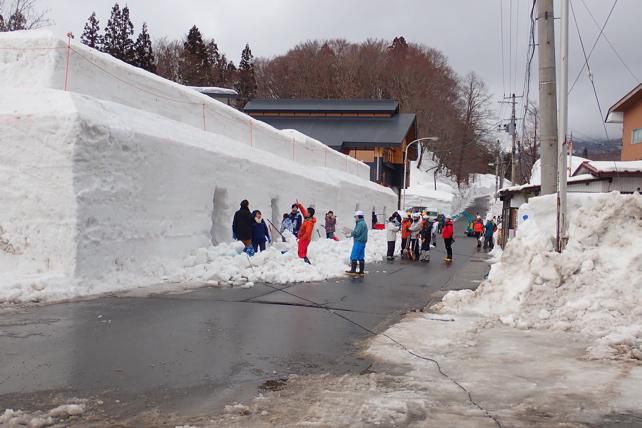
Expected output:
(405, 165)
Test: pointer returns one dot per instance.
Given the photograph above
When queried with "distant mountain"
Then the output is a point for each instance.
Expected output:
(596, 149)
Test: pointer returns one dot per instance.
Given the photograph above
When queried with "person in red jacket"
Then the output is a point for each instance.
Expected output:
(478, 228)
(305, 232)
(448, 233)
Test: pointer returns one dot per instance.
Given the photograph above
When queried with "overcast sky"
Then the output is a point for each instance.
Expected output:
(468, 32)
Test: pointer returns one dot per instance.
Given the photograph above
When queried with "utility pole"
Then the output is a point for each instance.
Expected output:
(547, 95)
(562, 226)
(513, 132)
(497, 160)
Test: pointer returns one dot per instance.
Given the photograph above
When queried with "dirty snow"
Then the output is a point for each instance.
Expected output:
(593, 288)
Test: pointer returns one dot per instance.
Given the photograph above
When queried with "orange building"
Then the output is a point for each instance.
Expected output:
(628, 112)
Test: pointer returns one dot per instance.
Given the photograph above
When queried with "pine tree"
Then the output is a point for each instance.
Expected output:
(110, 38)
(193, 67)
(90, 36)
(126, 35)
(214, 62)
(246, 83)
(144, 53)
(117, 40)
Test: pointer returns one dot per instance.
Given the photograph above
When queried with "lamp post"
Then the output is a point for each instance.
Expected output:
(405, 166)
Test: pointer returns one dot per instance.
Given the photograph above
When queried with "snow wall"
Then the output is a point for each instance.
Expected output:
(101, 193)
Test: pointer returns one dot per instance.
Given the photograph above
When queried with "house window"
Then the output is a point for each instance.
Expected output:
(637, 136)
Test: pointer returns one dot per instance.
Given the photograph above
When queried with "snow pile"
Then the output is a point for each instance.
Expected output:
(593, 288)
(17, 418)
(536, 170)
(225, 264)
(439, 192)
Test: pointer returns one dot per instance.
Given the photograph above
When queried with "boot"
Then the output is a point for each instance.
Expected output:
(362, 265)
(353, 268)
(307, 260)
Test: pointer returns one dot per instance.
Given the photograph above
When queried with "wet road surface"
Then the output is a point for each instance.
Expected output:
(208, 347)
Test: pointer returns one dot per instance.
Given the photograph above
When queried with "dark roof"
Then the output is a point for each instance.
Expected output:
(352, 132)
(323, 106)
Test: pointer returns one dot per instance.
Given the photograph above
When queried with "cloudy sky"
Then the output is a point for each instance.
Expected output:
(468, 32)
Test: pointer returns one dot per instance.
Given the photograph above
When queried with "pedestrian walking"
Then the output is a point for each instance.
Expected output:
(415, 230)
(435, 231)
(478, 229)
(489, 231)
(424, 237)
(448, 233)
(392, 228)
(306, 230)
(405, 233)
(360, 237)
(330, 225)
(375, 220)
(242, 226)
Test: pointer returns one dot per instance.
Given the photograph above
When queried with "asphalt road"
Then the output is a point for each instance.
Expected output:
(209, 347)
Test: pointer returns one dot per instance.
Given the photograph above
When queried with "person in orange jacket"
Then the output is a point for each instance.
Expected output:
(405, 232)
(478, 228)
(305, 233)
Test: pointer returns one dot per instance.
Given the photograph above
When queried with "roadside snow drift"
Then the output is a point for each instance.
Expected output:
(440, 193)
(593, 288)
(110, 185)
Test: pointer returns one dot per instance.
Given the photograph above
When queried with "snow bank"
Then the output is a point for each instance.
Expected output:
(536, 170)
(224, 264)
(593, 288)
(102, 196)
(447, 197)
(39, 59)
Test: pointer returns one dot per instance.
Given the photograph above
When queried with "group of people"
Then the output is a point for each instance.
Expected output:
(484, 233)
(250, 228)
(418, 234)
(418, 230)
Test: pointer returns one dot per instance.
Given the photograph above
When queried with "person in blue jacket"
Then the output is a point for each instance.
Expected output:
(260, 232)
(360, 238)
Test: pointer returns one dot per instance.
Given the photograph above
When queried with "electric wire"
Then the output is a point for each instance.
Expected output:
(619, 57)
(585, 65)
(501, 32)
(590, 73)
(395, 341)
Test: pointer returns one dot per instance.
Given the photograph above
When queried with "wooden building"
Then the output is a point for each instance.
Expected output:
(372, 131)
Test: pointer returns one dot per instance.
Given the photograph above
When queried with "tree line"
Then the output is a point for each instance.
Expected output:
(455, 109)
(194, 61)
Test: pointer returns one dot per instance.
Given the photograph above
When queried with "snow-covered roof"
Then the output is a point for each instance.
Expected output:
(215, 90)
(602, 168)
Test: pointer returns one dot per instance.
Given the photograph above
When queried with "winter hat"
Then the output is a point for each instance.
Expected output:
(415, 215)
(358, 213)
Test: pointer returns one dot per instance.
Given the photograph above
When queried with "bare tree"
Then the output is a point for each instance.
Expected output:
(475, 116)
(168, 54)
(22, 15)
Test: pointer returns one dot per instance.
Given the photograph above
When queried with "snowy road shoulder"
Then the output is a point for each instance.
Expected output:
(521, 378)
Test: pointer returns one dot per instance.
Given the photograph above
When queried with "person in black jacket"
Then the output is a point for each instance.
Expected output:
(260, 232)
(242, 224)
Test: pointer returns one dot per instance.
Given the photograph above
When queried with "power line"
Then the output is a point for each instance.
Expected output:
(501, 30)
(579, 74)
(588, 67)
(510, 47)
(516, 46)
(610, 44)
(529, 64)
